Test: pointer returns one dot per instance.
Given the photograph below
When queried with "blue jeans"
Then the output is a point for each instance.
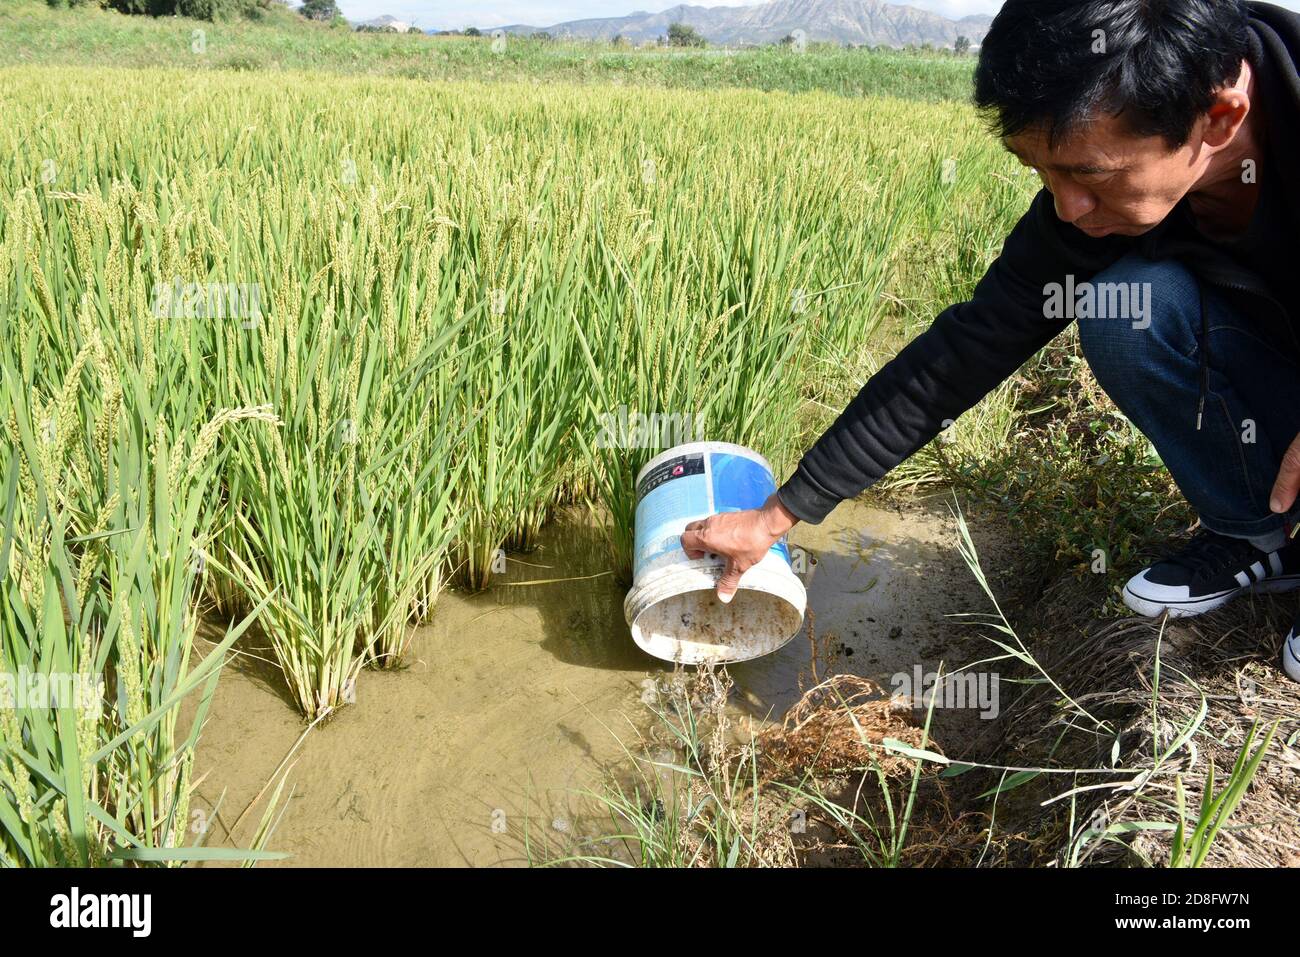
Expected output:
(1150, 365)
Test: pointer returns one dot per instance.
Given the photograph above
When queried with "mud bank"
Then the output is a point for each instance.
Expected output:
(516, 699)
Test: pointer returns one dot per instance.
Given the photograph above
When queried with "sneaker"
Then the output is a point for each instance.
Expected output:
(1291, 652)
(1210, 571)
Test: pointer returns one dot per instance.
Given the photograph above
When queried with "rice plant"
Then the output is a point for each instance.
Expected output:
(436, 303)
(101, 559)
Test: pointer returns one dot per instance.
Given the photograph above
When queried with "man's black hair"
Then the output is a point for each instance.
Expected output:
(1055, 64)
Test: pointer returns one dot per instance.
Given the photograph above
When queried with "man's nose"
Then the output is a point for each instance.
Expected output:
(1072, 201)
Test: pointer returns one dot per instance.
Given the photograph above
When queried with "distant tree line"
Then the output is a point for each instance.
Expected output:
(327, 11)
(476, 32)
(321, 10)
(195, 9)
(682, 35)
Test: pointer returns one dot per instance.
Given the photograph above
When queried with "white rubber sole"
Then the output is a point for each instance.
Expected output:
(1153, 608)
(1291, 663)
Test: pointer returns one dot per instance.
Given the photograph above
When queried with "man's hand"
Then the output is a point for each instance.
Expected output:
(742, 538)
(1288, 480)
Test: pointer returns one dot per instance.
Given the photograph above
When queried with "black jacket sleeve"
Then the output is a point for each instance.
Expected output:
(969, 349)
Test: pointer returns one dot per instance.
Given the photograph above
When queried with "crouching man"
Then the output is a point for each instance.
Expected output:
(1167, 137)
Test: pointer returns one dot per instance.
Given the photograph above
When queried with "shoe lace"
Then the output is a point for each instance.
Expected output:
(1211, 553)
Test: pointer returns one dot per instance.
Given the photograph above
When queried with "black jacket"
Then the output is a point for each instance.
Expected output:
(973, 346)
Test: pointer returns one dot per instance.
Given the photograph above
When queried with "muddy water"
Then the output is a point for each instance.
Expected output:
(517, 699)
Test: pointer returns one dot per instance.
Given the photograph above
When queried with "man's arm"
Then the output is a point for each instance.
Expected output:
(970, 348)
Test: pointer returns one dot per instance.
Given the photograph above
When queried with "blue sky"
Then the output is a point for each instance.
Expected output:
(454, 14)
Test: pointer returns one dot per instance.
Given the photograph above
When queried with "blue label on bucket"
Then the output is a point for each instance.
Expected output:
(689, 487)
(738, 483)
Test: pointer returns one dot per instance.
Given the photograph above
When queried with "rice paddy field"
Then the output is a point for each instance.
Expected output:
(300, 362)
(281, 41)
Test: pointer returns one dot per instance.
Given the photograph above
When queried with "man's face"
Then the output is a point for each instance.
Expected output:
(1105, 180)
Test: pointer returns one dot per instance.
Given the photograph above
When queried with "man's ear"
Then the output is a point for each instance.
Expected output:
(1227, 112)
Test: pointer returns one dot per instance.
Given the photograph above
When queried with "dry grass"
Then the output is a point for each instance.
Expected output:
(1223, 664)
(833, 726)
(831, 745)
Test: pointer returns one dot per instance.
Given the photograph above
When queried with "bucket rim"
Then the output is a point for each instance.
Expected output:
(704, 446)
(770, 581)
(771, 574)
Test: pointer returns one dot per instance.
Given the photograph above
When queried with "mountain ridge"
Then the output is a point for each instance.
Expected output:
(857, 22)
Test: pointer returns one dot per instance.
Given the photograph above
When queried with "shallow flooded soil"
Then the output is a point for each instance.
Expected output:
(516, 699)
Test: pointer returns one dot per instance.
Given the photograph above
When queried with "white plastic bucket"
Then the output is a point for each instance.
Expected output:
(673, 608)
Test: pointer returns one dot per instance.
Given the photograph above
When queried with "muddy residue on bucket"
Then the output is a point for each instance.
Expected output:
(695, 627)
(516, 699)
